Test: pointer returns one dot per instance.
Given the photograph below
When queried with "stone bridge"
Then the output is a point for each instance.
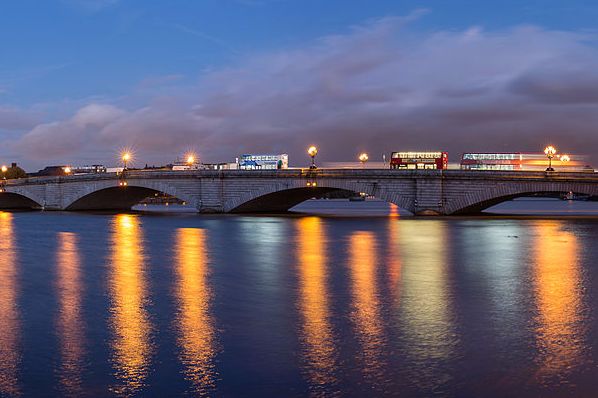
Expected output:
(238, 191)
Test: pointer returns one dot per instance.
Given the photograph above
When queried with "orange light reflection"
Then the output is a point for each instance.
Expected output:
(394, 210)
(317, 334)
(366, 305)
(130, 323)
(9, 314)
(197, 338)
(393, 263)
(558, 294)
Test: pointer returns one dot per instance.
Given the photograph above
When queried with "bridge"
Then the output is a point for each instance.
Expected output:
(422, 192)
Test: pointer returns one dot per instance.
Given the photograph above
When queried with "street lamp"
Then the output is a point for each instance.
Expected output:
(363, 158)
(565, 158)
(125, 158)
(67, 170)
(550, 151)
(190, 159)
(312, 152)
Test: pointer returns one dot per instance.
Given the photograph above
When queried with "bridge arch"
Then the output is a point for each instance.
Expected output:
(18, 200)
(108, 195)
(280, 197)
(475, 203)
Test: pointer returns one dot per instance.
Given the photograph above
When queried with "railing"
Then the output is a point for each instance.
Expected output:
(314, 173)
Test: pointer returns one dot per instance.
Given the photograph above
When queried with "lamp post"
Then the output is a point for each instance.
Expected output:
(312, 151)
(122, 180)
(3, 184)
(550, 151)
(363, 158)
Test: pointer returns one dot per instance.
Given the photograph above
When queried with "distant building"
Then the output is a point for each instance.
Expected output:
(220, 166)
(50, 171)
(264, 162)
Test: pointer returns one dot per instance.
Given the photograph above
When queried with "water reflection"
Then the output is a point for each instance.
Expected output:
(69, 324)
(131, 346)
(197, 338)
(558, 294)
(316, 331)
(9, 314)
(426, 319)
(366, 313)
(393, 262)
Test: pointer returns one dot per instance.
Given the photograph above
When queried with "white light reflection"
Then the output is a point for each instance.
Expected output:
(425, 314)
(70, 323)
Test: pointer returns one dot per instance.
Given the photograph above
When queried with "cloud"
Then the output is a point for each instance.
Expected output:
(204, 36)
(65, 138)
(16, 119)
(380, 87)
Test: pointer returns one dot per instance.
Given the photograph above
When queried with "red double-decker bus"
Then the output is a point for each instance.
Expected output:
(419, 160)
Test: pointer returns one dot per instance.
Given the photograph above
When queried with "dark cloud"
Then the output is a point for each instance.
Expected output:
(559, 87)
(379, 88)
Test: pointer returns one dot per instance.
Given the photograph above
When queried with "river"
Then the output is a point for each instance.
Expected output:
(180, 304)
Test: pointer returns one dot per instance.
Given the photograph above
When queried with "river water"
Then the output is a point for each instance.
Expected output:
(180, 304)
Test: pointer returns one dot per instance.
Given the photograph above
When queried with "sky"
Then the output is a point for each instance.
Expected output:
(82, 79)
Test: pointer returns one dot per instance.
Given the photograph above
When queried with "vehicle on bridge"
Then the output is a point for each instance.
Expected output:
(419, 160)
(521, 161)
(264, 162)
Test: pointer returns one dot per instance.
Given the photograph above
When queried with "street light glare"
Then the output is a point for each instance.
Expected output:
(312, 151)
(67, 170)
(126, 156)
(190, 159)
(4, 169)
(363, 157)
(550, 150)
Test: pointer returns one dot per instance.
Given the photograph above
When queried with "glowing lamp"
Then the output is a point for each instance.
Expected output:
(550, 151)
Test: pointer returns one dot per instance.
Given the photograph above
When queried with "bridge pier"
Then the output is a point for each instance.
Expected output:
(429, 196)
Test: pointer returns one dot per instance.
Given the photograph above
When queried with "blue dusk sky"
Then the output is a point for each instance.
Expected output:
(81, 79)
